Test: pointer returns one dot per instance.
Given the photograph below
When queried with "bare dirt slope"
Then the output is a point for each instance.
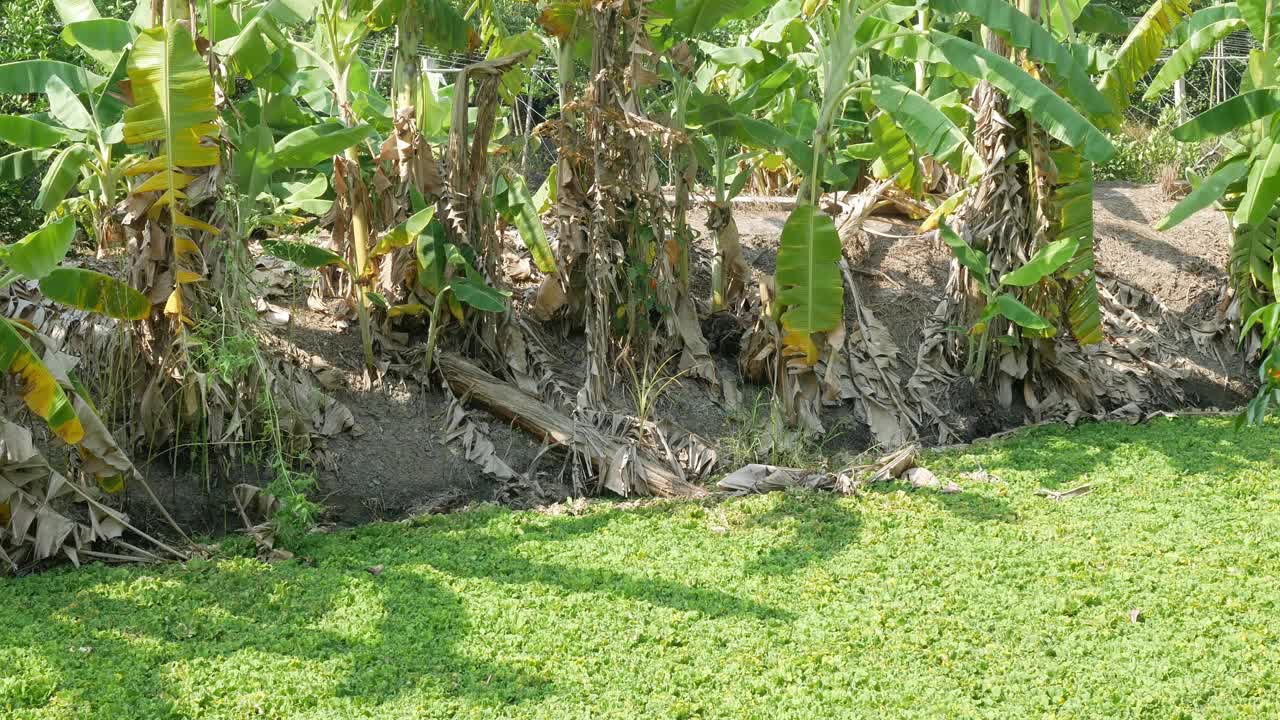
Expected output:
(398, 460)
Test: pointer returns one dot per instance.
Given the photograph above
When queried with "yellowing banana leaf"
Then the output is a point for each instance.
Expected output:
(40, 390)
(95, 292)
(172, 91)
(1074, 200)
(37, 254)
(943, 211)
(1139, 52)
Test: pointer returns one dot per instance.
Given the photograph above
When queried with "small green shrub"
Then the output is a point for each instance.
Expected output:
(1143, 152)
(297, 513)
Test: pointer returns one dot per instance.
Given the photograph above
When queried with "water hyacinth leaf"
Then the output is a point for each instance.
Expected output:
(808, 272)
(40, 390)
(1206, 193)
(1044, 263)
(304, 254)
(37, 254)
(88, 290)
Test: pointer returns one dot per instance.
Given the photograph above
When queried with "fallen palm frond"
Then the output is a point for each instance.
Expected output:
(621, 466)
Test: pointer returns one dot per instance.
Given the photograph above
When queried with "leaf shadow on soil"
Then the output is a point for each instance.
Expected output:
(193, 619)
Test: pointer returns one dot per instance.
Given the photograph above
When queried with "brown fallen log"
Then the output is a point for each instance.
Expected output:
(625, 468)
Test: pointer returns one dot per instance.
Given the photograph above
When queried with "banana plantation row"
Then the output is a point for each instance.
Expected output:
(198, 136)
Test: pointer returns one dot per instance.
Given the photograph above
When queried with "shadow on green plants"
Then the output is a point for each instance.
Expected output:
(820, 528)
(329, 622)
(1210, 447)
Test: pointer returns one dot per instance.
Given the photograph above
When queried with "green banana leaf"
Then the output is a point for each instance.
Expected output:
(28, 133)
(18, 165)
(1044, 106)
(305, 254)
(478, 295)
(103, 39)
(1255, 14)
(1042, 264)
(95, 292)
(808, 272)
(1023, 32)
(66, 107)
(37, 254)
(1224, 117)
(1263, 187)
(516, 206)
(62, 176)
(29, 77)
(311, 146)
(929, 129)
(1206, 193)
(1101, 19)
(1188, 53)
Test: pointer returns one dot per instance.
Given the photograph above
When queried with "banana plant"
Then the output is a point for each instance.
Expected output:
(1245, 184)
(80, 137)
(173, 106)
(38, 257)
(339, 29)
(1000, 301)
